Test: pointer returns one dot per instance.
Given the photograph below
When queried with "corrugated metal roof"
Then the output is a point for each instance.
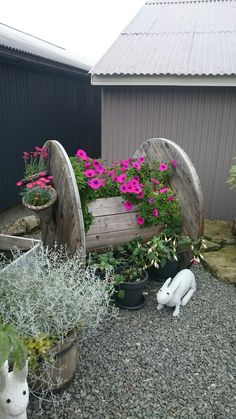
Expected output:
(19, 41)
(176, 38)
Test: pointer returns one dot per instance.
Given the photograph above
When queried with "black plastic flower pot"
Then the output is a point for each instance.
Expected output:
(161, 274)
(129, 295)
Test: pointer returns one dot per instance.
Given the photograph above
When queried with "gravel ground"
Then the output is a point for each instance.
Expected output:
(148, 364)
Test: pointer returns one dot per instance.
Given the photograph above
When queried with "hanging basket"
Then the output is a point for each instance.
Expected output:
(43, 211)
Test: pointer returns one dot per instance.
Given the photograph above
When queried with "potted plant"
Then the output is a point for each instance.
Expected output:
(164, 254)
(38, 193)
(126, 267)
(52, 303)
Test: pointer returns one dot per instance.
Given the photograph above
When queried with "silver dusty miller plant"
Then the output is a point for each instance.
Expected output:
(55, 296)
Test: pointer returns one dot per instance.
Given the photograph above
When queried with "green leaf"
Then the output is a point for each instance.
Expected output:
(19, 352)
(121, 294)
(5, 347)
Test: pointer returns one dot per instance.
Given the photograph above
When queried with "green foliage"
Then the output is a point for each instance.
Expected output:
(37, 196)
(11, 346)
(231, 180)
(38, 348)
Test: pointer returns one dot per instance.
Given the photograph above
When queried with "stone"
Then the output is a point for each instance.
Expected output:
(21, 226)
(222, 263)
(219, 231)
(211, 246)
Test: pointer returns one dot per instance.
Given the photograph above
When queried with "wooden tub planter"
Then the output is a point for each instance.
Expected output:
(112, 224)
(29, 248)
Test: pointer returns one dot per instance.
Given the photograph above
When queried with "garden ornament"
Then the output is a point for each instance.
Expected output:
(178, 291)
(14, 393)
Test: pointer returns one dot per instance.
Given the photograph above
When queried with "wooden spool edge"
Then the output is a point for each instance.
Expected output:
(71, 174)
(192, 172)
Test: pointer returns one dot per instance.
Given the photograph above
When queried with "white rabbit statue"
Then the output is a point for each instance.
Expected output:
(178, 291)
(14, 393)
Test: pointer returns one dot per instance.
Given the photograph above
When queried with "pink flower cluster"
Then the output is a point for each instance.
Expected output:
(36, 153)
(126, 177)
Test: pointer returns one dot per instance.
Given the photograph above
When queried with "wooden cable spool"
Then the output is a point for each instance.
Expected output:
(112, 224)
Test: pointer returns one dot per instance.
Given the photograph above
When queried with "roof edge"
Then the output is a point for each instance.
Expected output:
(210, 80)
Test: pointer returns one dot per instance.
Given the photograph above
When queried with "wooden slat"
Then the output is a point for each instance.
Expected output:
(114, 222)
(185, 182)
(108, 206)
(66, 225)
(22, 243)
(102, 241)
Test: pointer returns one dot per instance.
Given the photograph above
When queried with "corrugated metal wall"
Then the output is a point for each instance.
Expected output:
(201, 120)
(36, 106)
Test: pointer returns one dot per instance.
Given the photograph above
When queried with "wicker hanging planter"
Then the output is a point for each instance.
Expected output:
(43, 211)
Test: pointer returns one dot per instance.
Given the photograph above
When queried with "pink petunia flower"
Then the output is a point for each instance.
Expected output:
(19, 183)
(123, 188)
(100, 169)
(95, 183)
(82, 154)
(155, 181)
(87, 165)
(38, 149)
(155, 212)
(171, 198)
(136, 165)
(96, 163)
(128, 205)
(129, 187)
(140, 220)
(164, 190)
(134, 182)
(137, 190)
(163, 167)
(89, 173)
(42, 173)
(123, 177)
(141, 159)
(30, 185)
(174, 163)
(140, 195)
(25, 155)
(103, 182)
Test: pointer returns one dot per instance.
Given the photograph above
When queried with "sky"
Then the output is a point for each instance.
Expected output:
(85, 27)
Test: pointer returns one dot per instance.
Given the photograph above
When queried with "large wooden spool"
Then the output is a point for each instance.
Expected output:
(112, 224)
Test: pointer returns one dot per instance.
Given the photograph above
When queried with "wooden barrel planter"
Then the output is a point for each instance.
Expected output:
(112, 224)
(60, 372)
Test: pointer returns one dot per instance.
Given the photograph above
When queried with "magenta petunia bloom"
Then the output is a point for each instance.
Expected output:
(141, 159)
(123, 177)
(87, 165)
(43, 174)
(123, 188)
(95, 183)
(30, 185)
(164, 190)
(129, 187)
(82, 154)
(134, 182)
(89, 173)
(103, 182)
(38, 149)
(96, 163)
(155, 212)
(100, 169)
(128, 205)
(174, 163)
(116, 178)
(141, 195)
(19, 183)
(155, 181)
(137, 190)
(140, 220)
(163, 167)
(137, 165)
(171, 198)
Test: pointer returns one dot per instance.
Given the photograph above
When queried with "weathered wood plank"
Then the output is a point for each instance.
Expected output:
(108, 206)
(22, 243)
(185, 182)
(102, 241)
(114, 222)
(66, 225)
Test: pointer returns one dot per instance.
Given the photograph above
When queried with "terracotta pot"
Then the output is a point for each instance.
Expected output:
(43, 211)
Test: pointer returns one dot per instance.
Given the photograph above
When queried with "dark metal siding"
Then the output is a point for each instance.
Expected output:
(201, 120)
(36, 106)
